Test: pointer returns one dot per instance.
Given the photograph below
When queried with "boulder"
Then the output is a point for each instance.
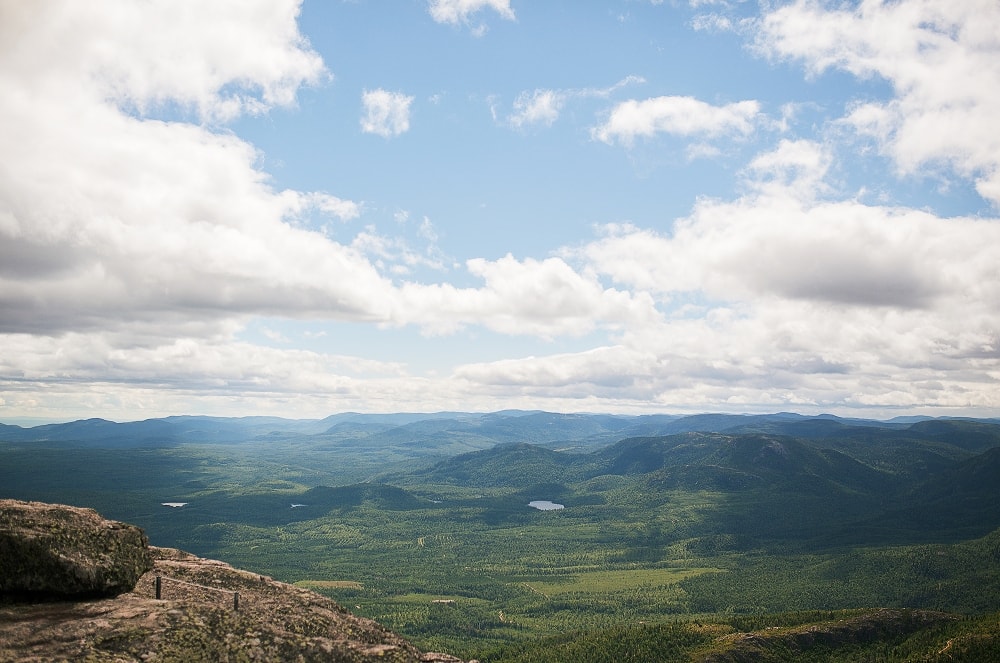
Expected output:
(53, 552)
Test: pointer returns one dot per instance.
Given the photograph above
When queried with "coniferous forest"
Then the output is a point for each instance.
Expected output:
(660, 538)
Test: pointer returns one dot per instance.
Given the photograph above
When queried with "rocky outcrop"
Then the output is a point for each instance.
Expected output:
(56, 552)
(786, 644)
(206, 611)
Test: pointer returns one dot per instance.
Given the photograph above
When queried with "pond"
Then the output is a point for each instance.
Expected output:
(545, 505)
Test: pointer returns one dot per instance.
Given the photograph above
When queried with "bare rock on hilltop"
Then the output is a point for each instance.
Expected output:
(52, 551)
(206, 611)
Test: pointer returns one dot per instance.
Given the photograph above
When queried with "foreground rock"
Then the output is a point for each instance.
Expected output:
(197, 618)
(49, 551)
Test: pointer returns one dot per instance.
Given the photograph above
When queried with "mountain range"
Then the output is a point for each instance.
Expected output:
(406, 515)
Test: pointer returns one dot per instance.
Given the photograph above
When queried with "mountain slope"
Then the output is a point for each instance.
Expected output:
(505, 465)
(196, 620)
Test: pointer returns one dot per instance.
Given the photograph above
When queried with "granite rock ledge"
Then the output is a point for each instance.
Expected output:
(196, 618)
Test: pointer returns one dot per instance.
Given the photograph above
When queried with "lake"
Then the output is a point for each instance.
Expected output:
(545, 505)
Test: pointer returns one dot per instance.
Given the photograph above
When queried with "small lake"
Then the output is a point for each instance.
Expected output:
(545, 505)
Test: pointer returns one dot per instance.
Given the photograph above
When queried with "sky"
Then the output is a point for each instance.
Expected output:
(275, 207)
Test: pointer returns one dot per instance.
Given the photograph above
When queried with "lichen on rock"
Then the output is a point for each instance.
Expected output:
(50, 551)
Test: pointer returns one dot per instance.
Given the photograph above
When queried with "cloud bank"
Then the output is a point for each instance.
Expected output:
(140, 238)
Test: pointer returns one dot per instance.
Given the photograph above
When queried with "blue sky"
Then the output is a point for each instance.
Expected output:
(301, 208)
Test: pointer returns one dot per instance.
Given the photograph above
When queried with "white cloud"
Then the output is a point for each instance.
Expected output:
(544, 298)
(702, 151)
(631, 79)
(147, 230)
(538, 107)
(301, 203)
(766, 356)
(133, 251)
(395, 254)
(795, 166)
(257, 62)
(109, 220)
(942, 59)
(385, 113)
(573, 375)
(712, 23)
(683, 116)
(275, 335)
(780, 242)
(78, 375)
(115, 218)
(543, 106)
(780, 297)
(458, 12)
(427, 230)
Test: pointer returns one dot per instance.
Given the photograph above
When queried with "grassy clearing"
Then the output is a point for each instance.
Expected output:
(615, 580)
(329, 584)
(444, 599)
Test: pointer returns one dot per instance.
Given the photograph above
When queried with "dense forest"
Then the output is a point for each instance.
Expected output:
(664, 537)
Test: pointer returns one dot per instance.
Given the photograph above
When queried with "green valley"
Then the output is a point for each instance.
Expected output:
(676, 535)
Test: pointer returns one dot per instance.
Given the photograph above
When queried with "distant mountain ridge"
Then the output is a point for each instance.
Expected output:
(821, 478)
(474, 430)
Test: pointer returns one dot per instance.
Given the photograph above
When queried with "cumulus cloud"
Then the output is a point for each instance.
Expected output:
(385, 113)
(780, 297)
(108, 218)
(682, 116)
(458, 12)
(538, 107)
(796, 166)
(134, 249)
(111, 46)
(607, 371)
(117, 218)
(110, 221)
(942, 59)
(786, 353)
(544, 298)
(778, 243)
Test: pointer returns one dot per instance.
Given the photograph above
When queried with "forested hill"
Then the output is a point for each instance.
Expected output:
(781, 478)
(930, 481)
(876, 456)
